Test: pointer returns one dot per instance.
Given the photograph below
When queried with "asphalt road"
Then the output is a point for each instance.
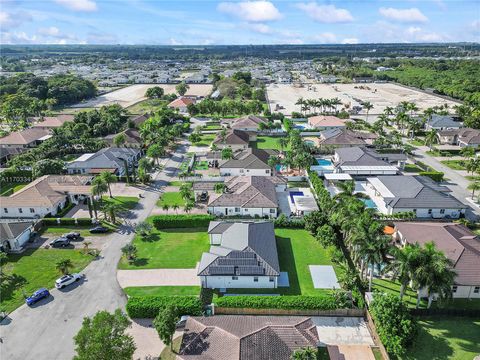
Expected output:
(46, 330)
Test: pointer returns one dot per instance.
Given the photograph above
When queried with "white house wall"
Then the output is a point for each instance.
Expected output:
(243, 282)
(244, 172)
(233, 211)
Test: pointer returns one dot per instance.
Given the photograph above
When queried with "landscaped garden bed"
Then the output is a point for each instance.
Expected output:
(171, 199)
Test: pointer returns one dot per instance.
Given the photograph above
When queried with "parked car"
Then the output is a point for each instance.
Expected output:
(181, 323)
(66, 280)
(60, 242)
(72, 235)
(37, 296)
(98, 230)
(204, 196)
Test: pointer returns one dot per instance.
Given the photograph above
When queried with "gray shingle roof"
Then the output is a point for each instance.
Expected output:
(360, 156)
(250, 248)
(233, 137)
(105, 158)
(13, 229)
(443, 121)
(234, 337)
(344, 137)
(250, 159)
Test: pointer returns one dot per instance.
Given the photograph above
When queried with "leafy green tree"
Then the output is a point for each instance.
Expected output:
(474, 186)
(109, 178)
(368, 106)
(130, 252)
(313, 221)
(404, 264)
(182, 88)
(326, 236)
(112, 210)
(104, 337)
(165, 323)
(431, 138)
(155, 92)
(227, 153)
(119, 140)
(219, 188)
(307, 353)
(195, 137)
(155, 151)
(47, 167)
(64, 266)
(143, 228)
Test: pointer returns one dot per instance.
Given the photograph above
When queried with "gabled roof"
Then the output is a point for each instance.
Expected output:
(443, 121)
(250, 159)
(326, 121)
(466, 135)
(107, 158)
(52, 121)
(249, 192)
(414, 192)
(132, 136)
(245, 122)
(360, 156)
(24, 137)
(181, 102)
(456, 241)
(248, 248)
(13, 229)
(344, 137)
(48, 190)
(234, 337)
(139, 119)
(233, 137)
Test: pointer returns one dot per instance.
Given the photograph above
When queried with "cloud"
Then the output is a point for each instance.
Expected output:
(172, 41)
(78, 5)
(253, 11)
(412, 15)
(350, 41)
(259, 28)
(326, 38)
(14, 37)
(12, 20)
(327, 14)
(50, 31)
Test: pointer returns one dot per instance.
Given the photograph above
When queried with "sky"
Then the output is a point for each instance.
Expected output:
(180, 22)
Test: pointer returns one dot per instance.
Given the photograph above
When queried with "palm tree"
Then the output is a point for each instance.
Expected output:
(374, 250)
(86, 244)
(368, 106)
(474, 186)
(165, 207)
(64, 265)
(227, 153)
(300, 102)
(108, 178)
(99, 187)
(405, 262)
(283, 143)
(112, 210)
(188, 206)
(388, 111)
(130, 252)
(431, 138)
(219, 188)
(185, 191)
(175, 208)
(307, 353)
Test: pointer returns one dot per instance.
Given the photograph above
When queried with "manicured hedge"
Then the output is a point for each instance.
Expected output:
(434, 175)
(181, 221)
(66, 221)
(149, 306)
(284, 302)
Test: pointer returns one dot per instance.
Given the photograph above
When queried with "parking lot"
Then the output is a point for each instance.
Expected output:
(380, 95)
(95, 241)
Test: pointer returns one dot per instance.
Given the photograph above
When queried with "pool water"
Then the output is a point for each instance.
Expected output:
(369, 203)
(324, 162)
(309, 143)
(280, 168)
(295, 193)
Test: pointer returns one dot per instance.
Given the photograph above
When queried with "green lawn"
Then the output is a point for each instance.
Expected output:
(297, 249)
(169, 248)
(10, 188)
(212, 127)
(176, 183)
(162, 290)
(125, 202)
(454, 164)
(268, 142)
(416, 142)
(201, 165)
(206, 140)
(148, 105)
(446, 338)
(393, 287)
(34, 269)
(170, 199)
(83, 230)
(412, 168)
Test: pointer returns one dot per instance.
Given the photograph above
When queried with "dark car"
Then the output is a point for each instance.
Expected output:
(203, 196)
(72, 235)
(98, 230)
(37, 296)
(60, 242)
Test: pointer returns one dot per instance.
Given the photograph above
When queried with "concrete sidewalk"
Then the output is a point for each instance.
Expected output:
(158, 277)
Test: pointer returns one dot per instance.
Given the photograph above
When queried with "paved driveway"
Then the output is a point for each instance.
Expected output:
(158, 277)
(46, 331)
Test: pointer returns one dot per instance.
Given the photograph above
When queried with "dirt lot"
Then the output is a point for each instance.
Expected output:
(380, 95)
(133, 94)
(97, 242)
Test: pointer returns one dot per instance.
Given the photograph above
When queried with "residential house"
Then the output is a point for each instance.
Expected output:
(113, 160)
(327, 79)
(462, 137)
(181, 103)
(138, 120)
(27, 138)
(51, 122)
(457, 242)
(442, 122)
(361, 161)
(242, 255)
(427, 199)
(235, 139)
(252, 162)
(14, 235)
(246, 337)
(248, 196)
(132, 138)
(8, 153)
(48, 194)
(343, 138)
(250, 123)
(326, 122)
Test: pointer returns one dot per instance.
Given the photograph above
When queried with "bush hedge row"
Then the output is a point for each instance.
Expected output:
(327, 302)
(66, 221)
(434, 175)
(149, 306)
(181, 221)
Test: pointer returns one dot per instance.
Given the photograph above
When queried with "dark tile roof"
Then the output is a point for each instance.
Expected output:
(250, 159)
(233, 137)
(13, 229)
(360, 156)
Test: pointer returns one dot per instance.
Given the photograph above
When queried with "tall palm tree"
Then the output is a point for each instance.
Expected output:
(99, 187)
(109, 178)
(166, 207)
(474, 186)
(431, 138)
(283, 143)
(300, 102)
(175, 208)
(112, 210)
(405, 261)
(86, 244)
(368, 106)
(64, 266)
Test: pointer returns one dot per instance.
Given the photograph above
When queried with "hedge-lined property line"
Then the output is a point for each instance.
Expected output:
(149, 306)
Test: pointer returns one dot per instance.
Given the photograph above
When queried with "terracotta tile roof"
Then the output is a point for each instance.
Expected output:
(232, 337)
(181, 102)
(24, 137)
(52, 121)
(456, 241)
(326, 121)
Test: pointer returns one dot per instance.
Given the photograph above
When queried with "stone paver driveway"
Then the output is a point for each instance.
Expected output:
(158, 277)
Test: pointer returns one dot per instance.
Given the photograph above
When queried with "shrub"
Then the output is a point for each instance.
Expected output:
(434, 175)
(66, 221)
(283, 222)
(326, 302)
(149, 306)
(181, 221)
(395, 326)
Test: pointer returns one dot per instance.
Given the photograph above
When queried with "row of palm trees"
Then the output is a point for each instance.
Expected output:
(325, 106)
(362, 237)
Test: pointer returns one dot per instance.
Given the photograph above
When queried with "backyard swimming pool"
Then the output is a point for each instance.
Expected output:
(324, 162)
(295, 193)
(369, 203)
(280, 168)
(309, 143)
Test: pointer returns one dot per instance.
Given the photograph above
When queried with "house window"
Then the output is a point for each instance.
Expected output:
(237, 209)
(246, 210)
(20, 210)
(271, 279)
(32, 210)
(454, 289)
(234, 277)
(272, 211)
(442, 211)
(5, 210)
(267, 171)
(255, 279)
(241, 171)
(429, 211)
(476, 289)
